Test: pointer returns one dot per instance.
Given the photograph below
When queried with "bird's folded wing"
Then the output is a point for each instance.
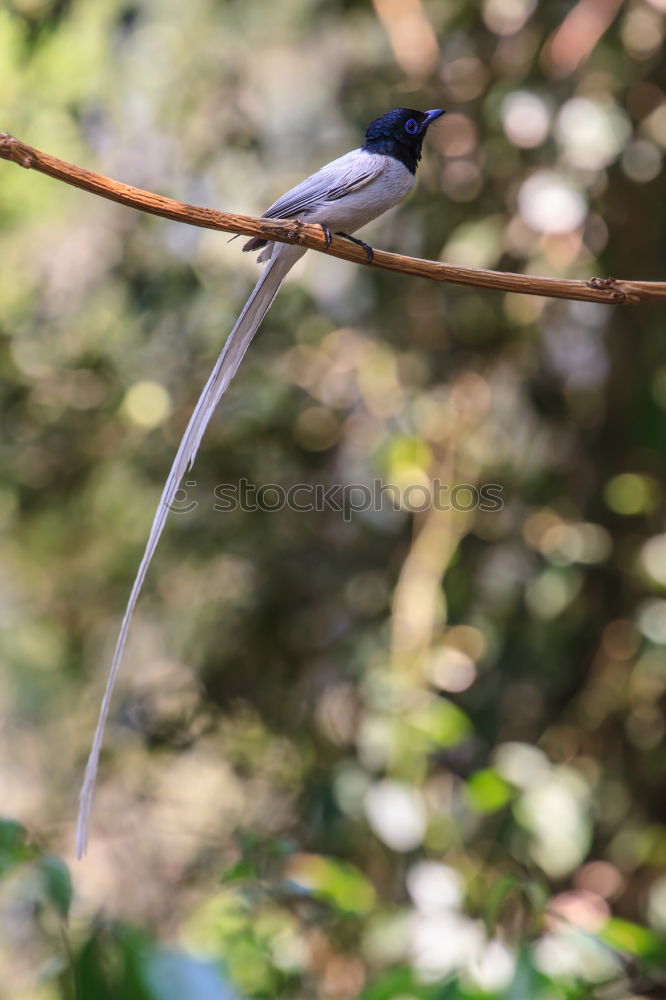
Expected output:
(336, 180)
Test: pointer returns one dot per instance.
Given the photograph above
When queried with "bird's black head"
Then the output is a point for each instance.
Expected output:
(400, 133)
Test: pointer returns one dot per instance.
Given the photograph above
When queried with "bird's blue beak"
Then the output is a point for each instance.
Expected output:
(430, 117)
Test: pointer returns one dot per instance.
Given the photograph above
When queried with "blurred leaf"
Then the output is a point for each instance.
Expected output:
(239, 872)
(336, 882)
(442, 721)
(399, 981)
(91, 973)
(57, 883)
(497, 895)
(13, 848)
(630, 938)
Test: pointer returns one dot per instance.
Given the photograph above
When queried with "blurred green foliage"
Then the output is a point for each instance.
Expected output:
(412, 753)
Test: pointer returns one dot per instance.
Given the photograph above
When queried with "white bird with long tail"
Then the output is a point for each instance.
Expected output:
(342, 197)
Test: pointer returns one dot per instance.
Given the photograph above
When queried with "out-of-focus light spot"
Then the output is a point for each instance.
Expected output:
(289, 951)
(549, 205)
(374, 741)
(525, 119)
(486, 791)
(505, 17)
(651, 620)
(387, 937)
(434, 887)
(465, 78)
(81, 389)
(591, 134)
(574, 39)
(470, 397)
(146, 404)
(521, 765)
(38, 644)
(475, 244)
(378, 380)
(457, 136)
(335, 713)
(572, 955)
(350, 787)
(556, 814)
(548, 594)
(653, 558)
(407, 463)
(451, 670)
(397, 814)
(441, 721)
(492, 970)
(316, 428)
(411, 34)
(600, 877)
(523, 309)
(462, 180)
(645, 726)
(647, 681)
(629, 493)
(520, 240)
(654, 126)
(642, 161)
(642, 32)
(442, 943)
(656, 907)
(565, 543)
(579, 907)
(620, 640)
(467, 639)
(560, 250)
(344, 976)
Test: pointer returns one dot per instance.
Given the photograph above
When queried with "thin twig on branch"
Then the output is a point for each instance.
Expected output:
(607, 290)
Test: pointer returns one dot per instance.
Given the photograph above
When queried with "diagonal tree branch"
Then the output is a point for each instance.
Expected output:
(607, 290)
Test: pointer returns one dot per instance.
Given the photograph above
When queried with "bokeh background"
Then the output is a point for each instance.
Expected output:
(390, 755)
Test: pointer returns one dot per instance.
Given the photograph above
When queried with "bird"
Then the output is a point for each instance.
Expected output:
(342, 197)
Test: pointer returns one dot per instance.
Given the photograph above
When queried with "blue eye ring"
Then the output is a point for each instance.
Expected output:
(411, 126)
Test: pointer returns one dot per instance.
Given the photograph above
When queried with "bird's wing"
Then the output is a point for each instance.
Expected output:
(336, 180)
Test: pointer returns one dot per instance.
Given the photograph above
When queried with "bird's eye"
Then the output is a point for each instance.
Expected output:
(411, 126)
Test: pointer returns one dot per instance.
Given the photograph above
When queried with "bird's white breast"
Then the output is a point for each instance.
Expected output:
(347, 214)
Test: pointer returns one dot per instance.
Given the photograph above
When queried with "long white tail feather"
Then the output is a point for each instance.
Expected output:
(282, 259)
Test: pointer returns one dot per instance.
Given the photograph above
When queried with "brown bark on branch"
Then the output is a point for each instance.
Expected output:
(607, 290)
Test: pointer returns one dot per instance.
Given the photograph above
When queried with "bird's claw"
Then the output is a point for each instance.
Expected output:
(328, 236)
(360, 243)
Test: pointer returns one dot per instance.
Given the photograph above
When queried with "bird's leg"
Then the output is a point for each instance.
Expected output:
(327, 234)
(366, 246)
